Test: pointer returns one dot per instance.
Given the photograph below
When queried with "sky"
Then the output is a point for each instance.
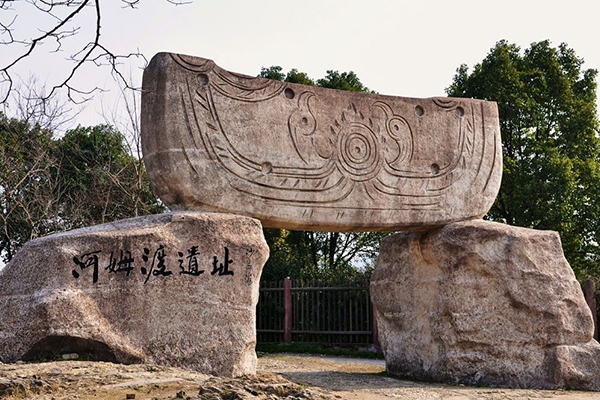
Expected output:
(402, 48)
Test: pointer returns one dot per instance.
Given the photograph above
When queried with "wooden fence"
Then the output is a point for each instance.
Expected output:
(303, 312)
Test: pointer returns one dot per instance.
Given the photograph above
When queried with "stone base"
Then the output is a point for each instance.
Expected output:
(175, 289)
(483, 303)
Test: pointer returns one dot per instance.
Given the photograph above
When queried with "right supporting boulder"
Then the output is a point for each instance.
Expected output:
(483, 303)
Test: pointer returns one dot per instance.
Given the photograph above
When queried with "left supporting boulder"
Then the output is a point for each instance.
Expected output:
(176, 289)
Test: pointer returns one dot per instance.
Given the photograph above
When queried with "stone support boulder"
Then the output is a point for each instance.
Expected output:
(175, 289)
(483, 303)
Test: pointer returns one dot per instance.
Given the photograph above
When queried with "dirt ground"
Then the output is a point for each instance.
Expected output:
(359, 380)
(279, 376)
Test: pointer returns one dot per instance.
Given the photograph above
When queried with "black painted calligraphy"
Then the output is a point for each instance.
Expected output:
(158, 266)
(222, 268)
(192, 262)
(87, 260)
(123, 265)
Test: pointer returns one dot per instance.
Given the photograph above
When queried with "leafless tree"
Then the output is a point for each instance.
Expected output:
(66, 19)
(31, 105)
(124, 115)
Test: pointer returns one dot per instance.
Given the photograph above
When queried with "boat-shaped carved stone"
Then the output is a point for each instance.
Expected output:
(303, 157)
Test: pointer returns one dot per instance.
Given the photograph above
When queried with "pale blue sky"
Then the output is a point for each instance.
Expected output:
(404, 48)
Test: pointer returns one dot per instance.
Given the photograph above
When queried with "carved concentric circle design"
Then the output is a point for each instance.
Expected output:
(358, 153)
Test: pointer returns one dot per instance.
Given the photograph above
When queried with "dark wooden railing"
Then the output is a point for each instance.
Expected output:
(304, 312)
(307, 313)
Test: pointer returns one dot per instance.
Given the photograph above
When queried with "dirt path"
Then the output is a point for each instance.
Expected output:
(279, 376)
(360, 380)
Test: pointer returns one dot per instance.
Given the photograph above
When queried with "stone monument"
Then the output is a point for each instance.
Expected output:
(303, 157)
(458, 299)
(466, 302)
(176, 289)
(483, 303)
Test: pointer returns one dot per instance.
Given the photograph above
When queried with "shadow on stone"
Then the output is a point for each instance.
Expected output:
(52, 347)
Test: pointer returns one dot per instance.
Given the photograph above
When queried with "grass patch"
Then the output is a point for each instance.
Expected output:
(318, 349)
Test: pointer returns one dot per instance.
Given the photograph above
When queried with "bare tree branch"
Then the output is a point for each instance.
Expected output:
(5, 30)
(33, 106)
(65, 13)
(6, 70)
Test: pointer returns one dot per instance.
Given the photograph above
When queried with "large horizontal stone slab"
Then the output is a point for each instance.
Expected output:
(303, 157)
(483, 303)
(175, 289)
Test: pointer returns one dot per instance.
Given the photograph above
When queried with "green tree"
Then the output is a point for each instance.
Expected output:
(327, 256)
(28, 179)
(101, 181)
(48, 185)
(549, 125)
(293, 76)
(343, 81)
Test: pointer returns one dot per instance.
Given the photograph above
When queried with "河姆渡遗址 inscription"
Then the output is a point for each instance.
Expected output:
(303, 157)
(153, 263)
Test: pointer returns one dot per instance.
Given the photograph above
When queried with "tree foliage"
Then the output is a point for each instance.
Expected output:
(101, 181)
(549, 125)
(27, 175)
(343, 81)
(293, 76)
(327, 256)
(47, 184)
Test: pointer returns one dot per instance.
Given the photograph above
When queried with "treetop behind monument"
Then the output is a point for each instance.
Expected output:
(548, 115)
(303, 157)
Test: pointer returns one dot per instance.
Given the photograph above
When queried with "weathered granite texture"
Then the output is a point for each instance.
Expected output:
(303, 157)
(483, 303)
(176, 289)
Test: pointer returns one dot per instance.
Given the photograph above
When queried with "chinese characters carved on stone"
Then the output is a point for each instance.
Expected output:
(153, 263)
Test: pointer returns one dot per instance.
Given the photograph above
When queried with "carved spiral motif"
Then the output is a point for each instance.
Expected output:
(399, 129)
(358, 153)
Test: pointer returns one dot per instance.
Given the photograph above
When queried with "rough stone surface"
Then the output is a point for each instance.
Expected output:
(303, 157)
(484, 303)
(188, 301)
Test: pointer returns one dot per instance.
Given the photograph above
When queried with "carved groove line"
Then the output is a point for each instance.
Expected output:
(358, 155)
(253, 169)
(302, 122)
(494, 150)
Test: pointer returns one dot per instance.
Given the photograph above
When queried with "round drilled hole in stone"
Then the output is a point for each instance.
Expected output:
(203, 79)
(419, 110)
(304, 120)
(266, 168)
(460, 111)
(435, 168)
(289, 93)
